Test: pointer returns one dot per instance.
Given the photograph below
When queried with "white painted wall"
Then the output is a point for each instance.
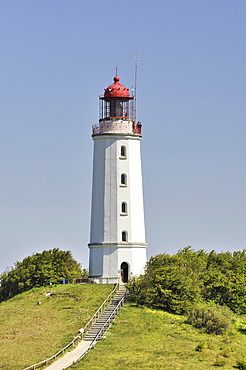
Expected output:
(106, 259)
(107, 251)
(107, 223)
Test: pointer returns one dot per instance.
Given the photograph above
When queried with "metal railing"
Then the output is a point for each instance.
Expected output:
(103, 329)
(45, 362)
(99, 311)
(127, 127)
(80, 336)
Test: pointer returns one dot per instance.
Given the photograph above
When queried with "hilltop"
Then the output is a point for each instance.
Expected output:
(142, 338)
(36, 324)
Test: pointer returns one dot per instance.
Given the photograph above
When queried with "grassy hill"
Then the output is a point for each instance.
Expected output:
(36, 324)
(143, 338)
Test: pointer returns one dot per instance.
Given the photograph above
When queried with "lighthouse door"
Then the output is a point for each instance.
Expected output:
(124, 272)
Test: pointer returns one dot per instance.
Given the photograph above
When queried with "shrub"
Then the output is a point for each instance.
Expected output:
(37, 270)
(176, 283)
(170, 283)
(214, 319)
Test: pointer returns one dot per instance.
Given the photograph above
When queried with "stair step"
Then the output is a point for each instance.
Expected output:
(105, 319)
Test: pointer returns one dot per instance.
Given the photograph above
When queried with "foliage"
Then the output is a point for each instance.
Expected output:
(176, 283)
(40, 269)
(84, 273)
(225, 280)
(214, 319)
(171, 283)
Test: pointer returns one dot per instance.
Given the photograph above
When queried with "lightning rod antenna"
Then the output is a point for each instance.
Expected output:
(136, 58)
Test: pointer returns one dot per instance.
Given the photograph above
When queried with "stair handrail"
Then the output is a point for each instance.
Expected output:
(98, 312)
(78, 337)
(99, 334)
(111, 316)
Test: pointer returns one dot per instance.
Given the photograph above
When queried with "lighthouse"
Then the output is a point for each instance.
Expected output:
(117, 248)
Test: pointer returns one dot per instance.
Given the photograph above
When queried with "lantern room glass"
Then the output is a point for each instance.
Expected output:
(116, 108)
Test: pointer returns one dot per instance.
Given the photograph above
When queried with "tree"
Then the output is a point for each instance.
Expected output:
(171, 283)
(176, 283)
(40, 269)
(224, 280)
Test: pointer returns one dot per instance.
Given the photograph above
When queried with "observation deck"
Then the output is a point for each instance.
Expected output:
(117, 127)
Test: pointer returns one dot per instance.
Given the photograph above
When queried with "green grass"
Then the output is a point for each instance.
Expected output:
(31, 332)
(142, 338)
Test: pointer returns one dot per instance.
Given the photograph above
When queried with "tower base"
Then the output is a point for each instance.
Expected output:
(116, 262)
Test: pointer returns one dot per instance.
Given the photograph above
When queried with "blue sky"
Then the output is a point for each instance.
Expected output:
(57, 56)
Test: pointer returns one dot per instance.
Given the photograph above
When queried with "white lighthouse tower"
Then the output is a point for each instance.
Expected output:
(117, 239)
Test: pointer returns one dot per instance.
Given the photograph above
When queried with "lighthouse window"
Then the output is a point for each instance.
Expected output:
(123, 207)
(124, 236)
(123, 179)
(123, 151)
(116, 108)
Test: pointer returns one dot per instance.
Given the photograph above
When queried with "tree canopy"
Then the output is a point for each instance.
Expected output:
(40, 269)
(177, 282)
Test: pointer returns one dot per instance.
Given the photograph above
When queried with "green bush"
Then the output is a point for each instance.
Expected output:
(214, 319)
(40, 269)
(170, 283)
(176, 283)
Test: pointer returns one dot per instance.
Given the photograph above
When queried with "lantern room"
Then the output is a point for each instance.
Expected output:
(116, 102)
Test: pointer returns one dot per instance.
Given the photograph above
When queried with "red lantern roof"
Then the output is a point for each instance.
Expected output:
(117, 90)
